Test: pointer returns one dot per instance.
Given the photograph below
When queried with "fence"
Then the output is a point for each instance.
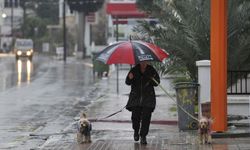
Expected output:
(238, 82)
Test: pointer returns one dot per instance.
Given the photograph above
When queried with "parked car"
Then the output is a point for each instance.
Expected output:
(23, 48)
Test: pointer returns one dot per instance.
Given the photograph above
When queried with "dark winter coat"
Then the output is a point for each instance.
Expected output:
(142, 87)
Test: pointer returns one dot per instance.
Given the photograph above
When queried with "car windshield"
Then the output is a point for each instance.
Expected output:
(24, 44)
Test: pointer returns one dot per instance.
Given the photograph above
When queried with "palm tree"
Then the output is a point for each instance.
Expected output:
(238, 35)
(184, 31)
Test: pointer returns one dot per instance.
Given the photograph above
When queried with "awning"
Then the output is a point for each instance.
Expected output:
(124, 10)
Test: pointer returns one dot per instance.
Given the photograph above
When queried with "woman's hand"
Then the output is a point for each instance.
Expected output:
(130, 76)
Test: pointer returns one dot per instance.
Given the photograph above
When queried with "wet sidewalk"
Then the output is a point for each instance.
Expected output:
(115, 133)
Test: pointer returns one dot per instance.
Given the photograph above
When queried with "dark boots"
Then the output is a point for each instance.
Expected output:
(136, 136)
(143, 140)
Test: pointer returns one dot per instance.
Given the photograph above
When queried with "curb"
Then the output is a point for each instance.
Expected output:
(231, 135)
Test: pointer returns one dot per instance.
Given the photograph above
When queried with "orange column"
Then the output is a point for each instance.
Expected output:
(218, 53)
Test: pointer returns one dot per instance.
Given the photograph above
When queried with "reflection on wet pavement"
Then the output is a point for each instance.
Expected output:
(24, 71)
(38, 97)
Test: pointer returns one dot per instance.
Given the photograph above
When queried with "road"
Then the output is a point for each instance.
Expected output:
(39, 97)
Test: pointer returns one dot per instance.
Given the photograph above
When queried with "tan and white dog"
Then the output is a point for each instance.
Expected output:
(205, 130)
(84, 129)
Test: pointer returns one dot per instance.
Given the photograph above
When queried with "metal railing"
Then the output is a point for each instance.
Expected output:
(238, 82)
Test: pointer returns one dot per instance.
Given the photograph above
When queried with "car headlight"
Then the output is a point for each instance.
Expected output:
(19, 53)
(28, 53)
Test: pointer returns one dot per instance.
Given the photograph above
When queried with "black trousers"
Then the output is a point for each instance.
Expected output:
(141, 117)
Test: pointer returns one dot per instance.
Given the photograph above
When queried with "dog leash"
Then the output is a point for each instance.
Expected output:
(97, 119)
(94, 120)
(174, 100)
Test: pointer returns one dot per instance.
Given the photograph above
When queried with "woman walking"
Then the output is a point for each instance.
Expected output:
(142, 98)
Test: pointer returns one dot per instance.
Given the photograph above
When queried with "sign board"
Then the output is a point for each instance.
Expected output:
(45, 47)
(91, 18)
(59, 52)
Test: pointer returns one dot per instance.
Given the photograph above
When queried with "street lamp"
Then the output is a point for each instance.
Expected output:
(4, 15)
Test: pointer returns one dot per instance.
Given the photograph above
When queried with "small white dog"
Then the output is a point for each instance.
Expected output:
(84, 129)
(205, 130)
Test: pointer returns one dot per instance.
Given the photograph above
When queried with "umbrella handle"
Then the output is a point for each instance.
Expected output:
(130, 38)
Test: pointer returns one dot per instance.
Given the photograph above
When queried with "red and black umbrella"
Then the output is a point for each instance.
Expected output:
(131, 52)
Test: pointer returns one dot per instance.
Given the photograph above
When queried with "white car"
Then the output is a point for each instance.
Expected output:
(24, 48)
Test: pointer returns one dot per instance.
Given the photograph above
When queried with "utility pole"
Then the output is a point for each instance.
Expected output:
(12, 18)
(12, 23)
(64, 32)
(117, 65)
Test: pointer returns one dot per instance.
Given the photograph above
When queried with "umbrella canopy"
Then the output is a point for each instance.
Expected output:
(131, 52)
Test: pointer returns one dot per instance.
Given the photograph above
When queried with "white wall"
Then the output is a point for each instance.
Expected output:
(204, 80)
